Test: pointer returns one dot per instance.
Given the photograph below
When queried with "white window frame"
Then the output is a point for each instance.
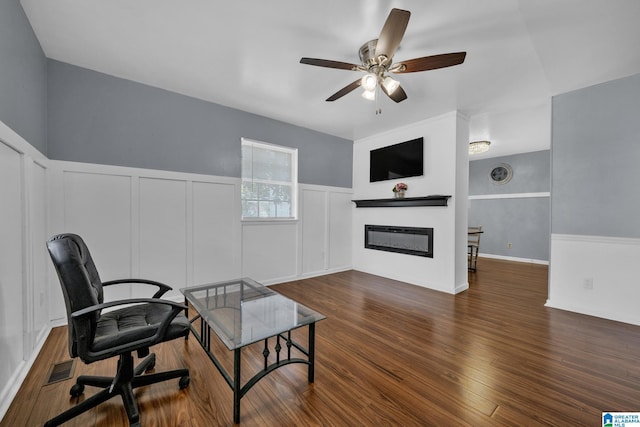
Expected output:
(293, 152)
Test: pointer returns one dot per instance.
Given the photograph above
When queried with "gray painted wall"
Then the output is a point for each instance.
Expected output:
(23, 77)
(97, 118)
(523, 222)
(531, 174)
(595, 157)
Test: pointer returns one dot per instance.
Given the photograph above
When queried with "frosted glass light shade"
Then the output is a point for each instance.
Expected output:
(369, 81)
(390, 84)
(369, 94)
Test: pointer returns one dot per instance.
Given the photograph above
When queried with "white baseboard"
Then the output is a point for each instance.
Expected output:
(591, 311)
(323, 272)
(461, 288)
(305, 276)
(509, 258)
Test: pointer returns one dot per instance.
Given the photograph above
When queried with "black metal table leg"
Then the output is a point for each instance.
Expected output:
(236, 385)
(186, 314)
(312, 351)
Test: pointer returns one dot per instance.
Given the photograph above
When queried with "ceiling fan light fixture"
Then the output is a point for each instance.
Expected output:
(390, 84)
(477, 147)
(369, 81)
(369, 95)
(376, 57)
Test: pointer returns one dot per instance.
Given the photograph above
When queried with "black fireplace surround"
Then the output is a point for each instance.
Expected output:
(405, 240)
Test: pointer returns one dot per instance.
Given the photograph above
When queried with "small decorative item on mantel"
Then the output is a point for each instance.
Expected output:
(399, 190)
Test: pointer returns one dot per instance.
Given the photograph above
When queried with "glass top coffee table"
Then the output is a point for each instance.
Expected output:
(243, 312)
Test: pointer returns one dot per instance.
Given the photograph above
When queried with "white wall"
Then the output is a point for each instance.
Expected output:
(445, 173)
(595, 275)
(24, 319)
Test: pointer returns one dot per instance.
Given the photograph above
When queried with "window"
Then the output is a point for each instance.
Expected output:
(269, 180)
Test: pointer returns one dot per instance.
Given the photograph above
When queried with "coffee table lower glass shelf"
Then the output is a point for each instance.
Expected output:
(243, 312)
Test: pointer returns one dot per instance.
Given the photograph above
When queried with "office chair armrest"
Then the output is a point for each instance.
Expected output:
(161, 291)
(88, 310)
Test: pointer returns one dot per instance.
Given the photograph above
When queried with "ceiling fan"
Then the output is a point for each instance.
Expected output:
(377, 55)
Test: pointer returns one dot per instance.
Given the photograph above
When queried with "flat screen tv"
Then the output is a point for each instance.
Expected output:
(397, 161)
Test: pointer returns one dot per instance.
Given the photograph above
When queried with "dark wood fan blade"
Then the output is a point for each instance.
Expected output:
(329, 64)
(429, 63)
(392, 33)
(397, 95)
(345, 90)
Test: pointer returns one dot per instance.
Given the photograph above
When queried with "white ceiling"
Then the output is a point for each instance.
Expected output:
(245, 54)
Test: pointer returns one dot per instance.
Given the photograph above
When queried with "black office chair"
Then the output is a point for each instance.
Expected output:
(94, 335)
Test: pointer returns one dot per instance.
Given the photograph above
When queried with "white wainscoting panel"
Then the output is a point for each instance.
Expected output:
(24, 319)
(325, 238)
(12, 283)
(178, 228)
(340, 237)
(97, 207)
(39, 257)
(163, 231)
(216, 234)
(270, 251)
(595, 275)
(314, 231)
(185, 229)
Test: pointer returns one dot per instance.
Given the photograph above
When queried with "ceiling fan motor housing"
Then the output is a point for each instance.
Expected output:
(368, 53)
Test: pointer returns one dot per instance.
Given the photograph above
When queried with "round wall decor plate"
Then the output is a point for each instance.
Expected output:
(501, 173)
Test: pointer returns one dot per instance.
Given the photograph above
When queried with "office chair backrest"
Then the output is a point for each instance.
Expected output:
(81, 286)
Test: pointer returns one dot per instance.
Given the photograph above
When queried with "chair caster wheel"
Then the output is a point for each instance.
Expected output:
(184, 382)
(76, 390)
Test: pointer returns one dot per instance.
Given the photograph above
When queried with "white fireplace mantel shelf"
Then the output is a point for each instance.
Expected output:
(434, 200)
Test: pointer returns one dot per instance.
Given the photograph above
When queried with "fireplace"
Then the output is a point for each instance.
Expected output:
(405, 240)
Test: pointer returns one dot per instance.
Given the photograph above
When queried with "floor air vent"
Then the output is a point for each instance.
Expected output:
(61, 371)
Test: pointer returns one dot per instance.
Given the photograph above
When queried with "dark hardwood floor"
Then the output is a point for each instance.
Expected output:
(392, 354)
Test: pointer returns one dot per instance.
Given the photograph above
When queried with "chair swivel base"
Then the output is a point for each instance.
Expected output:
(127, 378)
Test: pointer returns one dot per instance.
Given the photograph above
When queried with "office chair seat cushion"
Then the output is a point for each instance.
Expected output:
(134, 323)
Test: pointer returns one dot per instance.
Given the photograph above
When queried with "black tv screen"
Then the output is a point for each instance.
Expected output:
(397, 161)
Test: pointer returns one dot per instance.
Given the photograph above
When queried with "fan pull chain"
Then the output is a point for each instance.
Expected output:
(378, 109)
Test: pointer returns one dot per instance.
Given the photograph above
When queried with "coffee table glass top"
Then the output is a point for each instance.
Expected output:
(244, 311)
